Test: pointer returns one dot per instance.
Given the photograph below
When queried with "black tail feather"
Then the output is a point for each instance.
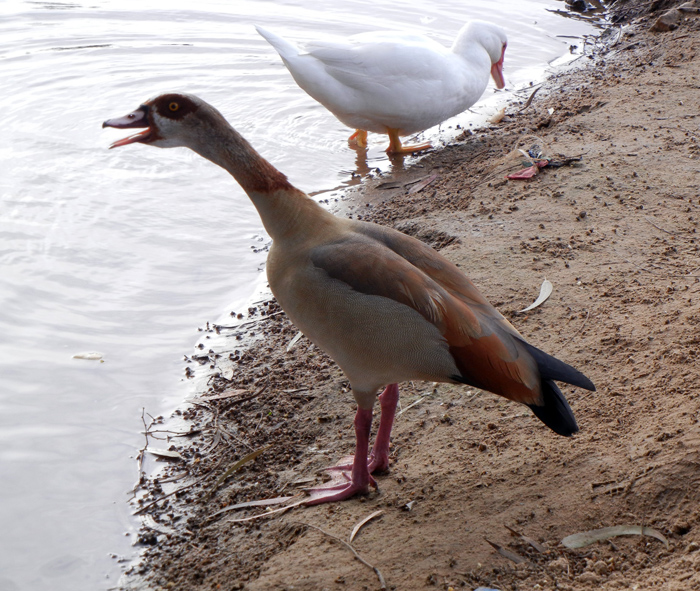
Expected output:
(552, 369)
(555, 411)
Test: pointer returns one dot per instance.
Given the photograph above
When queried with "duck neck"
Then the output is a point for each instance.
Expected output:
(468, 47)
(284, 209)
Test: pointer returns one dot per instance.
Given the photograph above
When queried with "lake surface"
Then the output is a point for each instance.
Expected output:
(126, 252)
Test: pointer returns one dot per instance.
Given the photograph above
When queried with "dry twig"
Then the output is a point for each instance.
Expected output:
(377, 572)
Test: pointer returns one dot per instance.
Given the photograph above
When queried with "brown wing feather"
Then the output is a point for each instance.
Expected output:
(484, 349)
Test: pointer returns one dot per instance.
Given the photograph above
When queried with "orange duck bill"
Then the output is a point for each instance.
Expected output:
(136, 119)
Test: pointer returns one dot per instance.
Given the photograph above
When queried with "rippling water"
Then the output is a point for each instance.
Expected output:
(127, 251)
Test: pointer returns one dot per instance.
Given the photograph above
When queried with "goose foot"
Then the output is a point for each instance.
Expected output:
(378, 459)
(356, 481)
(340, 488)
(353, 474)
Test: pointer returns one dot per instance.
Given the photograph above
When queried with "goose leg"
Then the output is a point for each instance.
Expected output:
(358, 483)
(379, 456)
(395, 146)
(359, 138)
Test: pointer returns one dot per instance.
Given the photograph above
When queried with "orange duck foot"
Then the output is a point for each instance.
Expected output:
(359, 138)
(395, 146)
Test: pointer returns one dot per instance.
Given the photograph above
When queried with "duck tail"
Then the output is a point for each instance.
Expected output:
(282, 46)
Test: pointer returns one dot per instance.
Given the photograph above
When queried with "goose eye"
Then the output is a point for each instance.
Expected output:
(173, 107)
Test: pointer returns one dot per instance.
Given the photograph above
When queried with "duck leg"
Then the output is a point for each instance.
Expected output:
(395, 146)
(359, 138)
(343, 487)
(379, 456)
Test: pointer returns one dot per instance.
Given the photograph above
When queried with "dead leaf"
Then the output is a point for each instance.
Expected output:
(422, 184)
(152, 524)
(237, 466)
(89, 355)
(509, 554)
(229, 394)
(586, 538)
(164, 453)
(362, 523)
(536, 545)
(498, 117)
(545, 292)
(268, 513)
(258, 503)
(294, 341)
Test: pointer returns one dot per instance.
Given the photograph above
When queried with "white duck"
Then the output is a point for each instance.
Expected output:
(394, 83)
(386, 307)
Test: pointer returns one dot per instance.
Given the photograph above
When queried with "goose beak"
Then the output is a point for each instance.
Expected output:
(497, 71)
(136, 119)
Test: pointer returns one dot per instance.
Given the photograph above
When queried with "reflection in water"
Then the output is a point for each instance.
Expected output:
(96, 255)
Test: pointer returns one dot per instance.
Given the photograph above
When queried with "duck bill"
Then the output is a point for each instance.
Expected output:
(136, 119)
(497, 71)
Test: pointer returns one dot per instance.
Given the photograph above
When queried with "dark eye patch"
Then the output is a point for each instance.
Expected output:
(174, 106)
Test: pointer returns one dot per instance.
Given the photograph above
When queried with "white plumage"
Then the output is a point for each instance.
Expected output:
(394, 83)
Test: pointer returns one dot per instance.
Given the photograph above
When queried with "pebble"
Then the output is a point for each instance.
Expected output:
(601, 567)
(560, 564)
(589, 577)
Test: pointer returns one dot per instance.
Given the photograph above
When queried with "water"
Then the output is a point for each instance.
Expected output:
(127, 251)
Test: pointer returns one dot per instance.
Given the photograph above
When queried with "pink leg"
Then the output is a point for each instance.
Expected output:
(360, 479)
(379, 458)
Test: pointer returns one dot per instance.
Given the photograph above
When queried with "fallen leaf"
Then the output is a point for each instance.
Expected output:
(545, 292)
(90, 355)
(536, 545)
(164, 453)
(237, 466)
(268, 513)
(586, 538)
(259, 503)
(498, 117)
(229, 394)
(294, 341)
(152, 524)
(422, 184)
(358, 527)
(509, 554)
(389, 185)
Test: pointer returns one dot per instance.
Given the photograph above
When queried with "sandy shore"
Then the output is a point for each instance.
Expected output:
(614, 228)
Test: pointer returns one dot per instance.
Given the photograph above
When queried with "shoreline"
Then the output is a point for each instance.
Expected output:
(615, 234)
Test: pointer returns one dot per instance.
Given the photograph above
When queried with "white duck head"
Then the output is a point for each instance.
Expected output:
(490, 37)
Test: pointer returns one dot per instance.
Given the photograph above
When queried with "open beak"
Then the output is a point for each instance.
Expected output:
(137, 119)
(497, 71)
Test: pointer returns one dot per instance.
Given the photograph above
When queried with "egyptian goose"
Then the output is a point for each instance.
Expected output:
(395, 83)
(386, 307)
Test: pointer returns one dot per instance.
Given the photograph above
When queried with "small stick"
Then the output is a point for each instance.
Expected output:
(660, 228)
(412, 405)
(382, 582)
(242, 324)
(529, 101)
(573, 336)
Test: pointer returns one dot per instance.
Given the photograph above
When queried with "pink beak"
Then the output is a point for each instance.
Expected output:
(497, 71)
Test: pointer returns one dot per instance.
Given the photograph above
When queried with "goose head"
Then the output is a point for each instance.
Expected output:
(168, 120)
(488, 37)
